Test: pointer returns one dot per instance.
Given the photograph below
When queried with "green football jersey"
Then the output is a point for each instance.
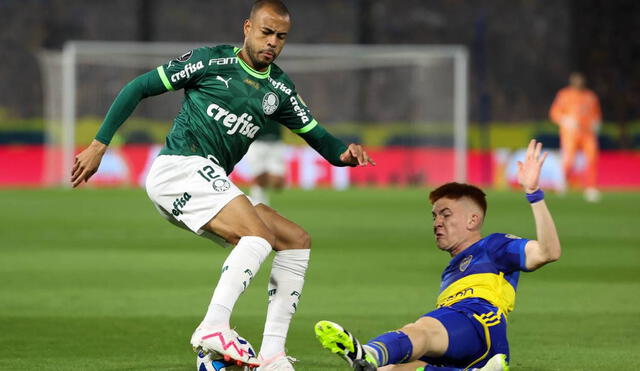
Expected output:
(271, 132)
(227, 104)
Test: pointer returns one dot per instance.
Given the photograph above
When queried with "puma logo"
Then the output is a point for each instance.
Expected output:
(226, 82)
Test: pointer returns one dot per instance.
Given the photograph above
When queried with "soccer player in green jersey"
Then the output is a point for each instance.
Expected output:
(468, 329)
(230, 95)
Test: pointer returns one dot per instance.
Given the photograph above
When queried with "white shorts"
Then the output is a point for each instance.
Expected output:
(266, 157)
(189, 191)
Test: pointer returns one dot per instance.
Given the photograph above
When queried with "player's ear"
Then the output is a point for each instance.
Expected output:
(246, 27)
(473, 222)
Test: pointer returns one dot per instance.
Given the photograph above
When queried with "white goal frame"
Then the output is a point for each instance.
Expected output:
(376, 55)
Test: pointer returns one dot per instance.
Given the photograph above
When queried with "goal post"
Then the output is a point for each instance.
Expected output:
(418, 91)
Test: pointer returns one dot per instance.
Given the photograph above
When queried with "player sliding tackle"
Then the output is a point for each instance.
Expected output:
(230, 95)
(468, 330)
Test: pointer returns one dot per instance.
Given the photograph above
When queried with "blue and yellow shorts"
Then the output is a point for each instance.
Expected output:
(476, 333)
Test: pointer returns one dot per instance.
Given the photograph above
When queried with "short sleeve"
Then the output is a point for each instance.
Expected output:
(295, 115)
(507, 252)
(185, 70)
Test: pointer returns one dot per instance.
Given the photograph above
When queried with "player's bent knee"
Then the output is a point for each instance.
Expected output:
(263, 233)
(234, 238)
(233, 234)
(428, 336)
(296, 239)
(304, 239)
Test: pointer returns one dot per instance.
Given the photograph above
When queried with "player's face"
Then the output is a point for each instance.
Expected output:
(264, 37)
(577, 80)
(451, 224)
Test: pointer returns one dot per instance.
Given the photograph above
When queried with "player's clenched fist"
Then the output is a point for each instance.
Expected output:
(356, 156)
(87, 163)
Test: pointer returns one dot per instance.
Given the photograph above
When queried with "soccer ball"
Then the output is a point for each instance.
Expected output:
(204, 362)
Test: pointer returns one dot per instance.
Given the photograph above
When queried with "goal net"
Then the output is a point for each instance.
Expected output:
(406, 104)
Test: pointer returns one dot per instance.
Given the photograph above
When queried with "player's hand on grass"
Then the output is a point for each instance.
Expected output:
(87, 162)
(356, 156)
(529, 171)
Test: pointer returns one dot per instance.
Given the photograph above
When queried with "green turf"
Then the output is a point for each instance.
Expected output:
(95, 280)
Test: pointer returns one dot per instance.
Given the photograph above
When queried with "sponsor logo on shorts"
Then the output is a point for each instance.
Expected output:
(270, 103)
(188, 70)
(221, 185)
(465, 263)
(180, 203)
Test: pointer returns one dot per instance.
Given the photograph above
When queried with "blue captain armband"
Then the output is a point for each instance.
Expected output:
(535, 196)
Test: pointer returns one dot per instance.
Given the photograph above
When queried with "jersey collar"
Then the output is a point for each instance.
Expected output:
(249, 70)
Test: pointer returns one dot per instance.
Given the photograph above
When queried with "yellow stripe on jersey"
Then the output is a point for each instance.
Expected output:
(488, 286)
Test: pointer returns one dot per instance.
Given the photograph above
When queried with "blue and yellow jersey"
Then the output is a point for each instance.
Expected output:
(487, 270)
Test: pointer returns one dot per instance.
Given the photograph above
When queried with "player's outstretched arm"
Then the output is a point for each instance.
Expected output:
(334, 150)
(87, 162)
(546, 248)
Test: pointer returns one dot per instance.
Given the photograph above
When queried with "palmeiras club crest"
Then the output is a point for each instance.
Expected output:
(270, 103)
(221, 185)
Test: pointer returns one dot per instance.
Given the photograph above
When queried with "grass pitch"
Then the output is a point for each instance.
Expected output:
(96, 280)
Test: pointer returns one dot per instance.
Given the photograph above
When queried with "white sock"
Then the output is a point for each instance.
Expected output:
(285, 288)
(259, 194)
(237, 271)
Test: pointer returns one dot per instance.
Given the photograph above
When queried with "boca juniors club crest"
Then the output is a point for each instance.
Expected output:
(465, 263)
(269, 103)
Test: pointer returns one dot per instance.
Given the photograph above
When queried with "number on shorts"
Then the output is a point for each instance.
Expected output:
(208, 173)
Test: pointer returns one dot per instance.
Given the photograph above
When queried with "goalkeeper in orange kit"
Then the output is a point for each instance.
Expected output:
(576, 110)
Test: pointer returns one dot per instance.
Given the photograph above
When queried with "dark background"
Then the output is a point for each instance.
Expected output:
(521, 50)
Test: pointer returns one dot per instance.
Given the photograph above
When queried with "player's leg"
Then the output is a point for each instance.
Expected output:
(276, 166)
(568, 147)
(238, 223)
(445, 336)
(271, 166)
(256, 158)
(425, 337)
(286, 281)
(259, 189)
(496, 363)
(590, 147)
(195, 192)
